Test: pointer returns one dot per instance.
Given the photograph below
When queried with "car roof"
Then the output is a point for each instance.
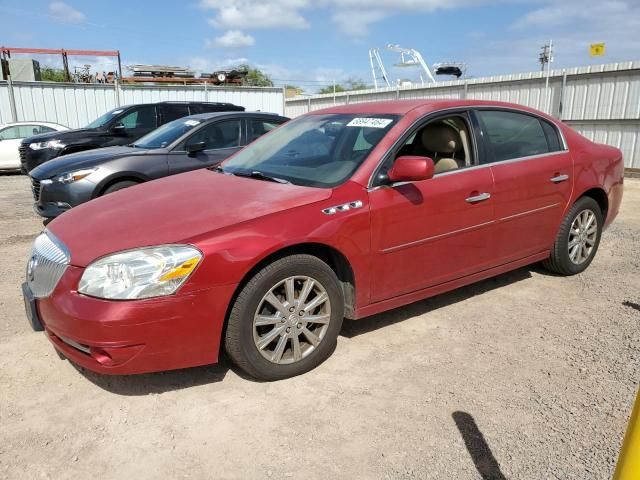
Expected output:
(29, 122)
(210, 115)
(177, 102)
(402, 107)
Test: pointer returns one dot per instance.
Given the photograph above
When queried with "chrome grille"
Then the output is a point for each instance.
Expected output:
(48, 262)
(35, 189)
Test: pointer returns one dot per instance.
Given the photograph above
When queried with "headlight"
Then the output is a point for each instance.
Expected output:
(71, 177)
(57, 144)
(142, 273)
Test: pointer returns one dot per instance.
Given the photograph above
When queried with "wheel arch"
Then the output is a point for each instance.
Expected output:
(600, 196)
(112, 180)
(336, 260)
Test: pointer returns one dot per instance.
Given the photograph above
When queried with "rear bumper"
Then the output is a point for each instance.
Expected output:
(130, 337)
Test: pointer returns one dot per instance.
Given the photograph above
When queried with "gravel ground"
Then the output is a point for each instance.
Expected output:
(526, 376)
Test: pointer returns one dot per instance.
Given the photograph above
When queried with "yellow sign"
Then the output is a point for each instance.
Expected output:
(596, 49)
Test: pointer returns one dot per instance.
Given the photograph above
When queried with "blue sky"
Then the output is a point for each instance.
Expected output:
(311, 43)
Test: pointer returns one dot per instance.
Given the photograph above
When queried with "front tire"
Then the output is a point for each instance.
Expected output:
(286, 319)
(578, 239)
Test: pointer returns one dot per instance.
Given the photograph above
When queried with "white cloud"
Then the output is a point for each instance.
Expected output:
(356, 23)
(232, 39)
(64, 13)
(256, 14)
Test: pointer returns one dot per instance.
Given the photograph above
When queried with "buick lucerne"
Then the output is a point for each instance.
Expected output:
(343, 212)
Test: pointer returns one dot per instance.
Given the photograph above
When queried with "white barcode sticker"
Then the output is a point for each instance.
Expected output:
(369, 122)
(192, 123)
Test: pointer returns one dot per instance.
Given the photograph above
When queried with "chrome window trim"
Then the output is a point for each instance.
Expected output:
(463, 109)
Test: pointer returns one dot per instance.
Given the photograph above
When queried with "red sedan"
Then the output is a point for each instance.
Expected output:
(343, 212)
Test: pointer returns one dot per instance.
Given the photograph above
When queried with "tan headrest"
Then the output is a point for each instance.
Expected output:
(440, 138)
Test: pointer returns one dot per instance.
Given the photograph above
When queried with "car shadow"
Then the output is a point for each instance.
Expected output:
(160, 382)
(353, 328)
(478, 448)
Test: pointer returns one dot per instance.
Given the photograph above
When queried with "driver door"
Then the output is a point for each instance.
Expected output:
(429, 232)
(221, 140)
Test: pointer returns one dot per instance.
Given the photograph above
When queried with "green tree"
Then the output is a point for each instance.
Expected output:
(256, 77)
(349, 85)
(51, 74)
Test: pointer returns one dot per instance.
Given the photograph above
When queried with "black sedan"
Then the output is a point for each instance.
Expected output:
(189, 143)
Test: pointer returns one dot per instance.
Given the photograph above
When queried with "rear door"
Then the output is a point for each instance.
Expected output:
(533, 175)
(222, 138)
(167, 112)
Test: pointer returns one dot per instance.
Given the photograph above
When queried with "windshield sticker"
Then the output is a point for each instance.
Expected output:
(192, 123)
(369, 122)
(115, 112)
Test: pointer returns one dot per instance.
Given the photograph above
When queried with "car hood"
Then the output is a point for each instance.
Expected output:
(172, 210)
(84, 159)
(60, 135)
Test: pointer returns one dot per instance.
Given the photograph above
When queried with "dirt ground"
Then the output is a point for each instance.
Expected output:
(526, 376)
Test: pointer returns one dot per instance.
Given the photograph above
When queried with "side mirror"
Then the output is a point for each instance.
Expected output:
(411, 168)
(118, 129)
(192, 148)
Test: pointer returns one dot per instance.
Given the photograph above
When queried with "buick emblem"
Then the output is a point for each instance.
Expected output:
(31, 268)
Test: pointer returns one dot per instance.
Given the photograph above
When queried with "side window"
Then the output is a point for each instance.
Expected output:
(257, 128)
(553, 139)
(224, 134)
(10, 133)
(143, 118)
(170, 112)
(447, 141)
(513, 135)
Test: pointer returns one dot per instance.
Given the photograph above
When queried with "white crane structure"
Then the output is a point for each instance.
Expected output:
(377, 69)
(409, 57)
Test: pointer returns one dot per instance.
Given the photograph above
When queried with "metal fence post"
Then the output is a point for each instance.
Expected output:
(562, 90)
(465, 91)
(12, 99)
(116, 89)
(206, 92)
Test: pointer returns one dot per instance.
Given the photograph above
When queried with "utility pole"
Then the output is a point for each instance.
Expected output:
(545, 58)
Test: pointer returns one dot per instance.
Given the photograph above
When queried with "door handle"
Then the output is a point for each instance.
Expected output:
(560, 178)
(478, 198)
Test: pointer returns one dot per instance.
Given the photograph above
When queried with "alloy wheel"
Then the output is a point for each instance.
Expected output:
(291, 319)
(582, 236)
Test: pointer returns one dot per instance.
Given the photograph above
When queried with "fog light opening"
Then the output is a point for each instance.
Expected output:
(101, 356)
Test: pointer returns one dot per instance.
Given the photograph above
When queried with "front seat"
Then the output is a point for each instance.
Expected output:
(442, 140)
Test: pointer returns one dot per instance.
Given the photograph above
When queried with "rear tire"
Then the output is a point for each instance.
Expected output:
(578, 239)
(119, 186)
(286, 319)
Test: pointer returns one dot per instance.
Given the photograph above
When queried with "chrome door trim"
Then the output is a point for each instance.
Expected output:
(469, 108)
(415, 243)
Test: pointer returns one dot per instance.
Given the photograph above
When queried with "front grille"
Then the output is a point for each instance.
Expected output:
(22, 150)
(48, 262)
(35, 189)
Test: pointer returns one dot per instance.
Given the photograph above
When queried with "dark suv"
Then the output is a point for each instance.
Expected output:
(120, 126)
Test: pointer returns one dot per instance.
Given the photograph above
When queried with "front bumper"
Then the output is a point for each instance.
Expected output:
(54, 198)
(130, 337)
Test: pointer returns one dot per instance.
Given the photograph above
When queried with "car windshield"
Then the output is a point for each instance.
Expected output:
(314, 150)
(102, 120)
(167, 133)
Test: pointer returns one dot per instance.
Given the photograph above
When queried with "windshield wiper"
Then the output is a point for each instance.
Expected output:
(257, 175)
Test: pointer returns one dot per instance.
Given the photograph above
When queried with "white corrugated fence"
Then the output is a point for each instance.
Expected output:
(76, 104)
(602, 102)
